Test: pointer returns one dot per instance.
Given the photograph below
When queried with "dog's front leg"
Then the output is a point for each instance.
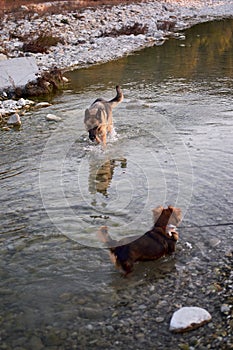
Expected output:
(103, 135)
(98, 140)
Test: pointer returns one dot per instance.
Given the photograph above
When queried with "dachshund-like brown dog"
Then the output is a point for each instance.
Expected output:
(159, 241)
(98, 117)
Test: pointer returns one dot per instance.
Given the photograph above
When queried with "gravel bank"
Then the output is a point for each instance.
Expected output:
(83, 34)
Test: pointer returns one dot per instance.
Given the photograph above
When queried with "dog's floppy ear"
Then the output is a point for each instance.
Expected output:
(157, 212)
(175, 217)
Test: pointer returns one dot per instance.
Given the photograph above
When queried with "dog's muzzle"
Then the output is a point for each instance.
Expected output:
(92, 133)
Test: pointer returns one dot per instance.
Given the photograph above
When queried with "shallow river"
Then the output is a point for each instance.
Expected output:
(172, 145)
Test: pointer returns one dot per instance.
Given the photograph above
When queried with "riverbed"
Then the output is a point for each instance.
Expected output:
(172, 145)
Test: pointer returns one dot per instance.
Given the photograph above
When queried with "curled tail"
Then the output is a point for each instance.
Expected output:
(104, 237)
(118, 98)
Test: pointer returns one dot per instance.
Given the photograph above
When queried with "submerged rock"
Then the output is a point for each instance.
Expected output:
(188, 318)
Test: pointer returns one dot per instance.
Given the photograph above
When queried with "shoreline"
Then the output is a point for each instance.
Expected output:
(97, 35)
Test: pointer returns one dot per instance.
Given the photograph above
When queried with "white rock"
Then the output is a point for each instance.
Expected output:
(21, 102)
(188, 318)
(17, 72)
(42, 104)
(14, 120)
(25, 8)
(3, 57)
(65, 79)
(53, 117)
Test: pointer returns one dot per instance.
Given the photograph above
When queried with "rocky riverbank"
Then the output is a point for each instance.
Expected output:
(97, 35)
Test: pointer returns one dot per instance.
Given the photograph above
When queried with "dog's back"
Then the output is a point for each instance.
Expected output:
(151, 246)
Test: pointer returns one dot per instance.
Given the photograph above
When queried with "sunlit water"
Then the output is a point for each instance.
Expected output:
(172, 145)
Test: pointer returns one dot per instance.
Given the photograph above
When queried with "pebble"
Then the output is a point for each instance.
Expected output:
(53, 117)
(14, 120)
(188, 318)
(42, 105)
(225, 309)
(90, 327)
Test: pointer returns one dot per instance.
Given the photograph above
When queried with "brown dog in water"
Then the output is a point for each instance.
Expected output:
(98, 117)
(159, 241)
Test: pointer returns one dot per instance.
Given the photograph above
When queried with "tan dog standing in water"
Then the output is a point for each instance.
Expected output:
(98, 117)
(159, 241)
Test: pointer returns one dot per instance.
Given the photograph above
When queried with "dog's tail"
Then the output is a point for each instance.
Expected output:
(118, 98)
(104, 237)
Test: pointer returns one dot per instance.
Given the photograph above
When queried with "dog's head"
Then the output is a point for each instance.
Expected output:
(164, 217)
(93, 121)
(93, 133)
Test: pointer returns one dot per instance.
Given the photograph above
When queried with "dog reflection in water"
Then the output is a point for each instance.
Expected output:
(159, 241)
(100, 174)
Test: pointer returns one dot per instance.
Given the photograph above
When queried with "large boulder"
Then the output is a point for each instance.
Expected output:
(17, 72)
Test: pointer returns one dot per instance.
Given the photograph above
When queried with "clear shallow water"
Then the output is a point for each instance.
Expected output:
(173, 145)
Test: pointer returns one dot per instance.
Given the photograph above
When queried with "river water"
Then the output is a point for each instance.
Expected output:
(172, 145)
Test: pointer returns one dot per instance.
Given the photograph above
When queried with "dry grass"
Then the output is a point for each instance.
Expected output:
(60, 6)
(41, 44)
